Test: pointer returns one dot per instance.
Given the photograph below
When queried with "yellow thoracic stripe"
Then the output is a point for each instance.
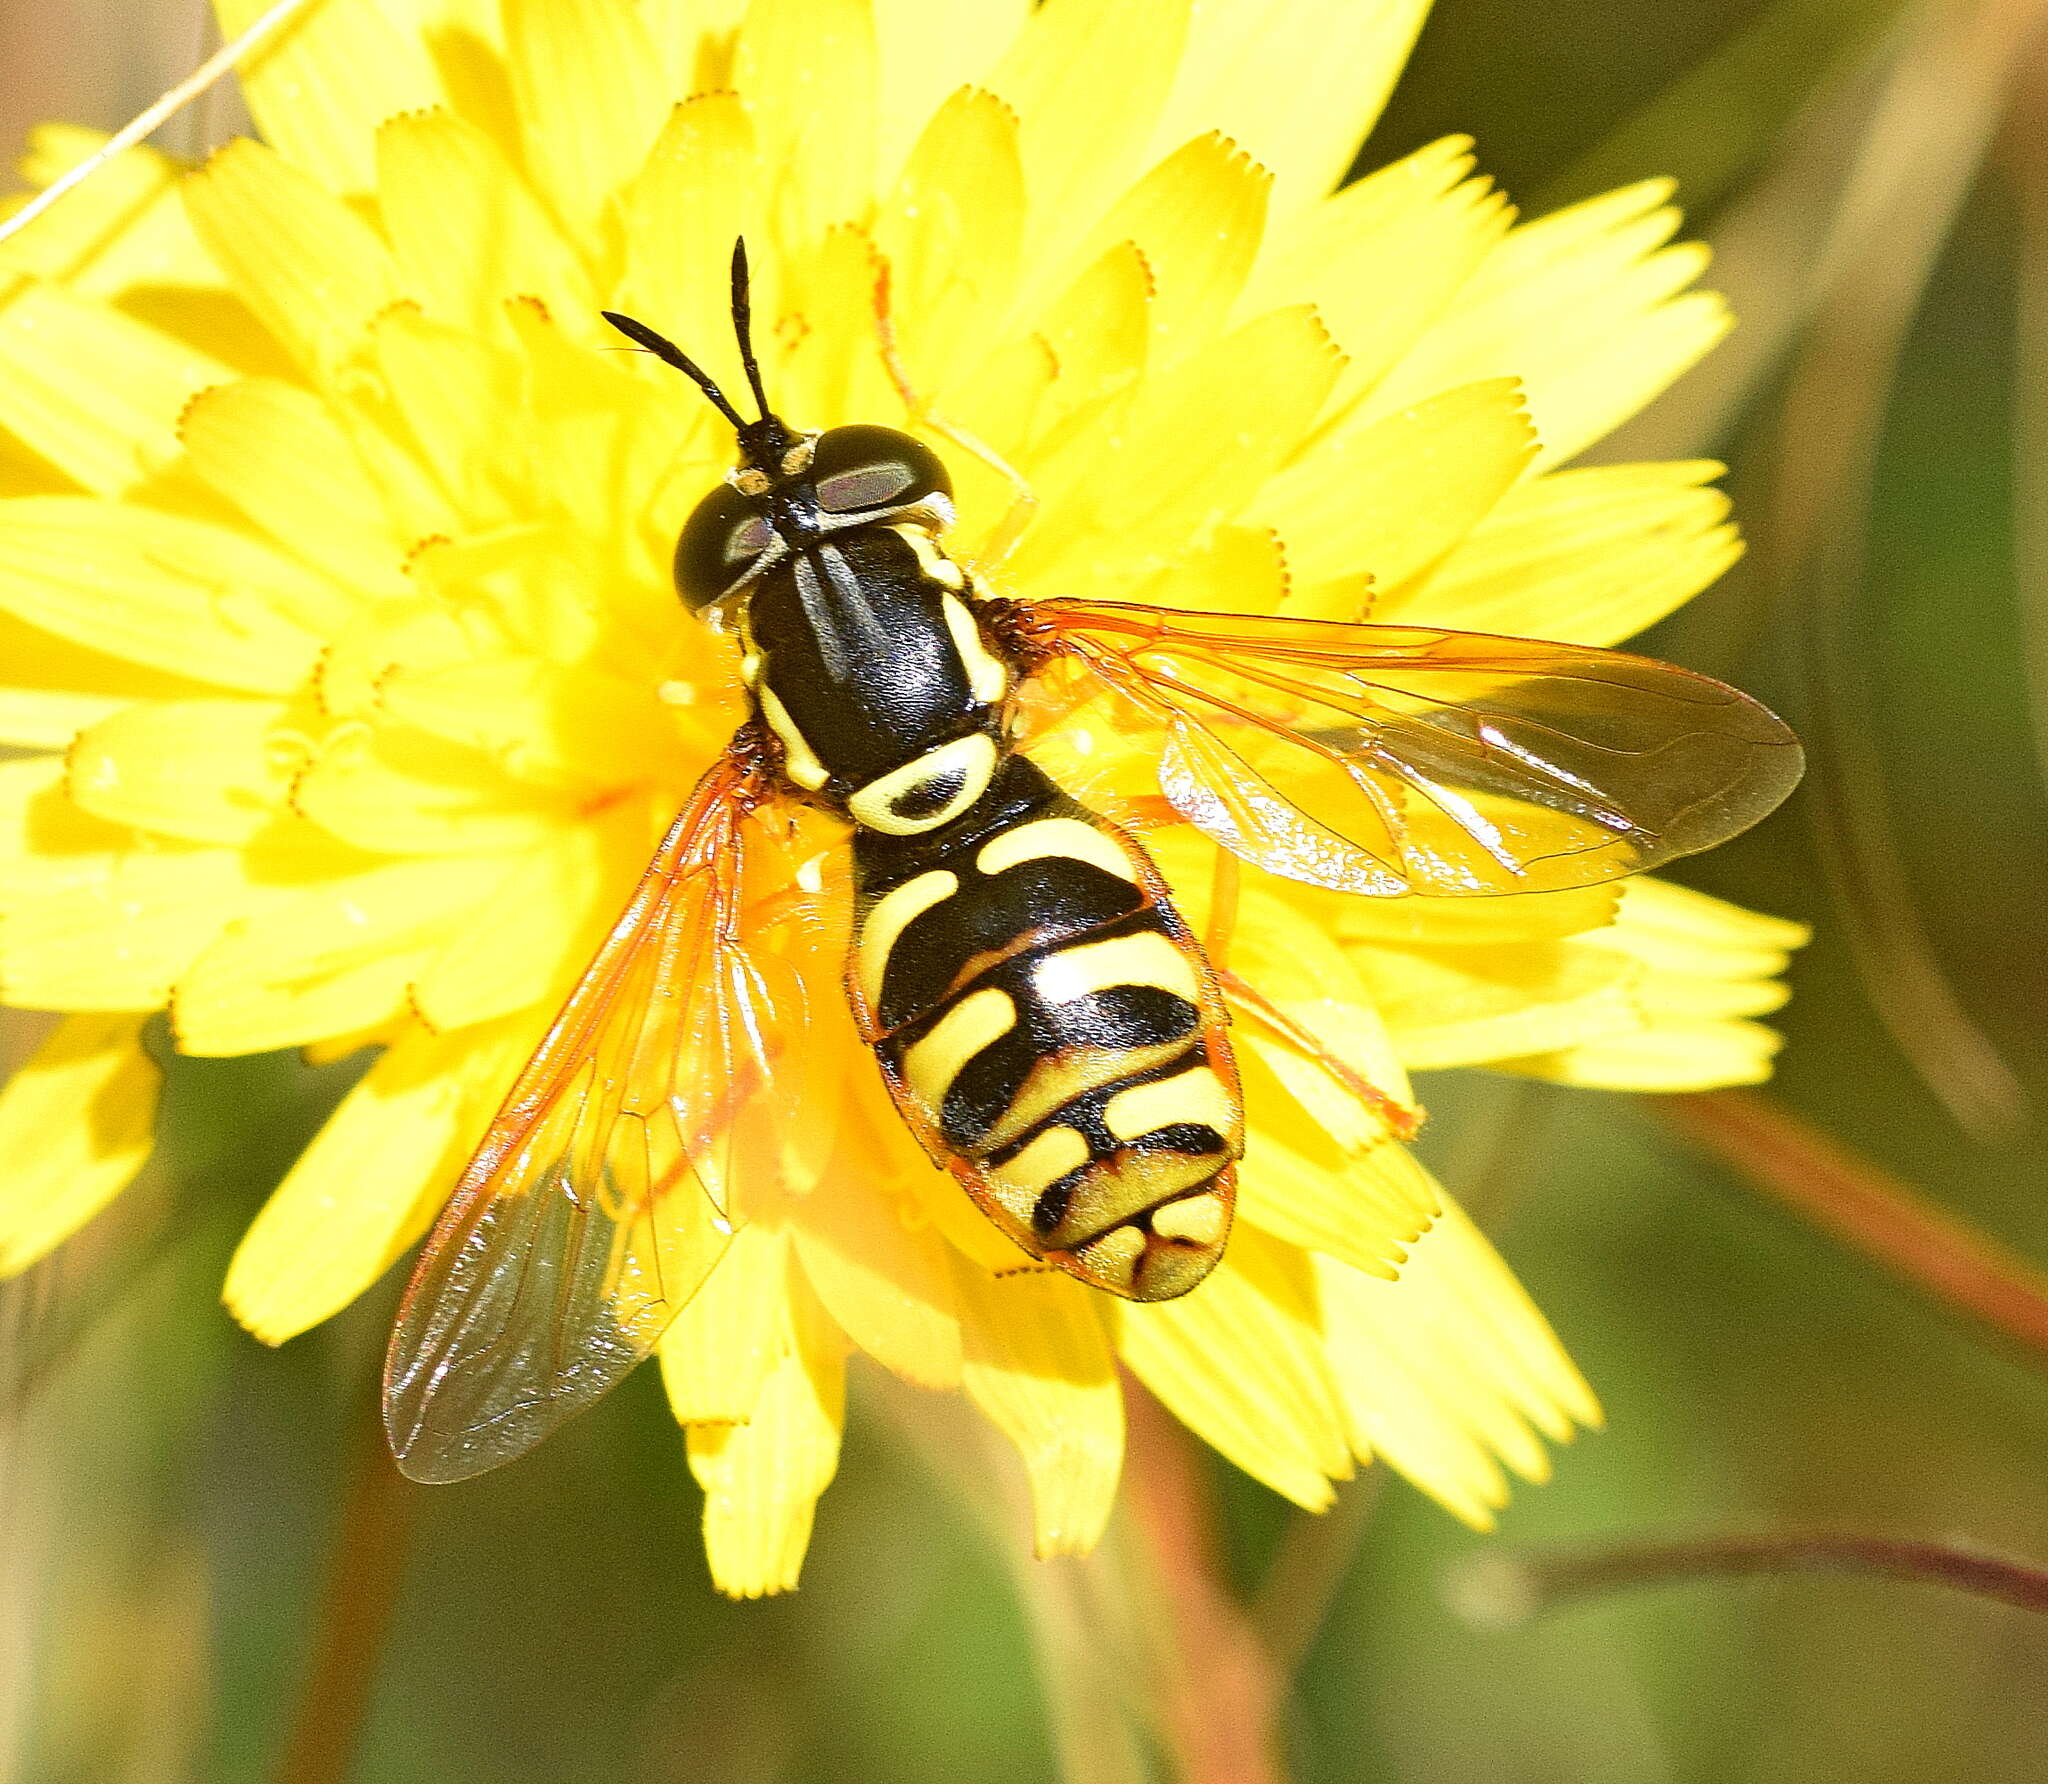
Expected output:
(1193, 1096)
(987, 679)
(1056, 837)
(933, 562)
(1147, 958)
(973, 758)
(885, 924)
(799, 761)
(930, 1065)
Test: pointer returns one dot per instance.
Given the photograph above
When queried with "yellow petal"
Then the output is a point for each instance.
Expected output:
(402, 792)
(180, 595)
(320, 86)
(953, 234)
(1700, 968)
(887, 1284)
(48, 718)
(1585, 557)
(1669, 1058)
(458, 397)
(536, 928)
(1463, 922)
(203, 770)
(311, 269)
(91, 390)
(1365, 1208)
(608, 439)
(699, 190)
(1392, 496)
(335, 957)
(1676, 929)
(1088, 78)
(124, 227)
(1281, 943)
(694, 42)
(1039, 1365)
(806, 69)
(1382, 259)
(925, 51)
(1444, 1371)
(88, 921)
(1583, 308)
(1298, 82)
(590, 98)
(1466, 1006)
(75, 1125)
(370, 1183)
(1239, 1361)
(762, 1480)
(1197, 218)
(466, 231)
(282, 458)
(55, 688)
(1236, 570)
(1047, 402)
(1209, 432)
(734, 1332)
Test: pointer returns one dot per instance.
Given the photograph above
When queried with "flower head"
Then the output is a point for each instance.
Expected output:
(339, 635)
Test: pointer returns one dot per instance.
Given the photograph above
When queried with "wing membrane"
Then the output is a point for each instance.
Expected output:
(1394, 759)
(605, 1190)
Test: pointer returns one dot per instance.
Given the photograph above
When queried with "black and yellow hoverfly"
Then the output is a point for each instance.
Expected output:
(1045, 1021)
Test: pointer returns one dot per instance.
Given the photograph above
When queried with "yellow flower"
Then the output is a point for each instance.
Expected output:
(335, 617)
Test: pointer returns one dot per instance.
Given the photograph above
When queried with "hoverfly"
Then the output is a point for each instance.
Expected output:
(1045, 1021)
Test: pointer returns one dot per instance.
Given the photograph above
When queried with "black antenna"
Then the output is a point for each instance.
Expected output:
(669, 353)
(743, 324)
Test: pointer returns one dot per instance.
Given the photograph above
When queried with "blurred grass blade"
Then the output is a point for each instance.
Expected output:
(1076, 1611)
(1308, 1570)
(1504, 1590)
(1718, 121)
(1917, 161)
(1871, 1211)
(2027, 157)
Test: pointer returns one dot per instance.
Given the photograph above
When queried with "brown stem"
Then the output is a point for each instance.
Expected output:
(1507, 1589)
(355, 1614)
(1220, 1695)
(1871, 1211)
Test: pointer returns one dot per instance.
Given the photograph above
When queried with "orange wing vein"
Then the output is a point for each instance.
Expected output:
(604, 1190)
(1394, 759)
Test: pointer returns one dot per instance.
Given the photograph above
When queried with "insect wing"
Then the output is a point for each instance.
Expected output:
(604, 1192)
(1393, 759)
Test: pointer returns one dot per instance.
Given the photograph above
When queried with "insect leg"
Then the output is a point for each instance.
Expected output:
(1023, 500)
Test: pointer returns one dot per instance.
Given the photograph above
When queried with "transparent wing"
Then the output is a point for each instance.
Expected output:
(604, 1191)
(1392, 759)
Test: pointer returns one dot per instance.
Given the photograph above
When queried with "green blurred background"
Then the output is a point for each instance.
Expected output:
(1875, 176)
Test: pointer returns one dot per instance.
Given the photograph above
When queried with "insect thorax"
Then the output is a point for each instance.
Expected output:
(866, 659)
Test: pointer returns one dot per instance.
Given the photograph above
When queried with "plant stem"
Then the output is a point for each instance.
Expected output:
(1870, 1210)
(1219, 1694)
(367, 1567)
(1508, 1589)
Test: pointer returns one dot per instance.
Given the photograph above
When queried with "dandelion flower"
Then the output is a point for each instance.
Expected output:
(351, 693)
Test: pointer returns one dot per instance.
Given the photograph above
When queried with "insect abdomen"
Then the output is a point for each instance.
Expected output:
(1042, 1015)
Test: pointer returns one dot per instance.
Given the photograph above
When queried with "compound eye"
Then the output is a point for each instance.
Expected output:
(858, 470)
(719, 544)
